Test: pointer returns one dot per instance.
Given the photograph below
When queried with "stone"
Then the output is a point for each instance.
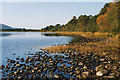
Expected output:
(22, 59)
(99, 67)
(109, 62)
(85, 74)
(110, 77)
(71, 73)
(35, 68)
(80, 63)
(15, 72)
(118, 62)
(17, 58)
(71, 61)
(78, 76)
(39, 71)
(99, 73)
(78, 72)
(102, 59)
(63, 65)
(19, 77)
(51, 61)
(17, 65)
(85, 67)
(21, 71)
(33, 71)
(56, 76)
(106, 66)
(115, 67)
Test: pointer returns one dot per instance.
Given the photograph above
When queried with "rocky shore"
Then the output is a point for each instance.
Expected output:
(69, 63)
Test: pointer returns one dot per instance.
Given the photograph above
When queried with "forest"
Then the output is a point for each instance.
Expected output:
(106, 21)
(19, 30)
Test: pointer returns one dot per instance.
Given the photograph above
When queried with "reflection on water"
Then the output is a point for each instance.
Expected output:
(3, 35)
(19, 43)
(49, 34)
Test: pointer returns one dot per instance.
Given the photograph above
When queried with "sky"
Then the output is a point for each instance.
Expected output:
(41, 14)
(57, 0)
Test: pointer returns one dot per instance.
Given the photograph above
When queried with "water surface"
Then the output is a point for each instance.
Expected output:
(20, 43)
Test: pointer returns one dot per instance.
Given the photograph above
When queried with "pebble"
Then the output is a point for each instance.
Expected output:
(80, 63)
(102, 59)
(78, 72)
(99, 73)
(42, 65)
(56, 76)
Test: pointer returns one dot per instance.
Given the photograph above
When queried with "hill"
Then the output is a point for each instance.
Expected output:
(105, 21)
(3, 26)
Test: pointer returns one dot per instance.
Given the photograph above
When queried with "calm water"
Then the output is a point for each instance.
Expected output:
(21, 43)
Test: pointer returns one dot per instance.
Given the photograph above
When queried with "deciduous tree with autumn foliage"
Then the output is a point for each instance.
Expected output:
(108, 20)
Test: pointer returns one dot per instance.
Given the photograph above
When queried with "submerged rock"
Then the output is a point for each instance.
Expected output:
(60, 66)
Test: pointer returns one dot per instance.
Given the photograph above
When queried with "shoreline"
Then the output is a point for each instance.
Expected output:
(89, 38)
(101, 39)
(101, 45)
(87, 57)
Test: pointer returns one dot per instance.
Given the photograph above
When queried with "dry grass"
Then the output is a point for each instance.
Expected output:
(85, 34)
(108, 46)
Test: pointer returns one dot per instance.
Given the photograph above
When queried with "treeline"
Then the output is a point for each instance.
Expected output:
(106, 21)
(19, 30)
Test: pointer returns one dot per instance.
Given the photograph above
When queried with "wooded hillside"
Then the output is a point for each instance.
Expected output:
(106, 21)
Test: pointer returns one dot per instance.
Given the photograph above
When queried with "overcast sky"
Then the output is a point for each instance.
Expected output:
(40, 14)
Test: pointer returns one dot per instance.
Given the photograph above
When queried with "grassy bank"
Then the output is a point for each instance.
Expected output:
(97, 43)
